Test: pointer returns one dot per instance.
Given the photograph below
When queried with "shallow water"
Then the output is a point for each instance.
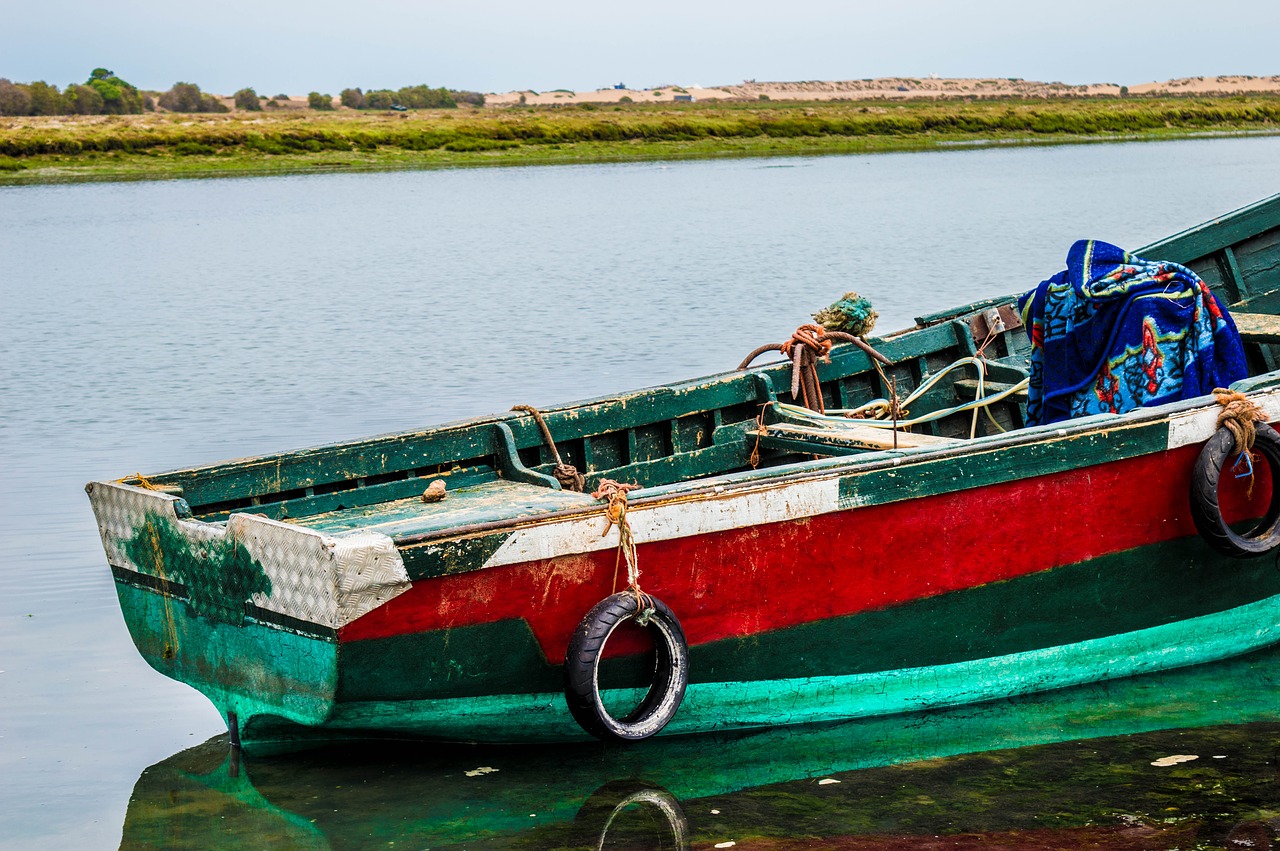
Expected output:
(145, 326)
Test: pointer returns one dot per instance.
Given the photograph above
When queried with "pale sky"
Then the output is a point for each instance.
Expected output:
(293, 46)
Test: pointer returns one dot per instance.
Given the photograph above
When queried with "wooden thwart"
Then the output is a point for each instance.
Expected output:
(1258, 327)
(841, 440)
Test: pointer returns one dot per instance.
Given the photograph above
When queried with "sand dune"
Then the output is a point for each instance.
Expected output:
(896, 88)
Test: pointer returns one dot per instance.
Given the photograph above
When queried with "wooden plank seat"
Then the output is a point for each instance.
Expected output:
(841, 439)
(479, 503)
(1257, 327)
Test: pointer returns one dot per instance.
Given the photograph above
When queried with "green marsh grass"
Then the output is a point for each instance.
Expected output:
(162, 145)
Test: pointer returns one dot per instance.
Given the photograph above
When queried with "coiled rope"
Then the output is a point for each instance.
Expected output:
(807, 344)
(566, 474)
(1239, 416)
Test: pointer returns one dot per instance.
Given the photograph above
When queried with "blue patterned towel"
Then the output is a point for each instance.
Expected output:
(1114, 332)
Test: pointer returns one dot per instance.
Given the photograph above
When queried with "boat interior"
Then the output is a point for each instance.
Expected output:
(956, 375)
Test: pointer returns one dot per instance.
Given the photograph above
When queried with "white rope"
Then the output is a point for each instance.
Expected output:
(881, 407)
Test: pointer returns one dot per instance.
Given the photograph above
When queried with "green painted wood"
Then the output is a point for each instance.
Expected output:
(941, 316)
(1222, 232)
(510, 464)
(429, 560)
(489, 502)
(730, 705)
(251, 669)
(966, 470)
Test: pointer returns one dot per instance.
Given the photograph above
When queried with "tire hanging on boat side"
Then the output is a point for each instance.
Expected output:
(582, 668)
(1264, 535)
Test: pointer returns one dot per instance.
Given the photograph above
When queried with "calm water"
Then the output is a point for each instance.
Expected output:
(151, 325)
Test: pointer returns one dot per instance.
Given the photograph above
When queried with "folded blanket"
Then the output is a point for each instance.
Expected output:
(1114, 332)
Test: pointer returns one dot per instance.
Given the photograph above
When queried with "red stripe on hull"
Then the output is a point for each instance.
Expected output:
(744, 581)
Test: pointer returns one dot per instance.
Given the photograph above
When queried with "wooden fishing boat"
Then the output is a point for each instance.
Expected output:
(774, 566)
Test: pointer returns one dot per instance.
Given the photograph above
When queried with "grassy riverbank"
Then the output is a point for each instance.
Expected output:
(57, 148)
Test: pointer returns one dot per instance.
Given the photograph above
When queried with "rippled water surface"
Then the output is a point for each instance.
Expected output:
(151, 325)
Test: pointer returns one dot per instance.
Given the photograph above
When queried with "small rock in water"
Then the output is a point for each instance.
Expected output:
(1165, 761)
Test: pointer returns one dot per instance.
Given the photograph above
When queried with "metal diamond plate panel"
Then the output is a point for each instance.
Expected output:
(317, 578)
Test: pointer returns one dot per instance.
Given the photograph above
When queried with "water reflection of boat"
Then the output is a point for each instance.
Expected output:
(821, 567)
(973, 773)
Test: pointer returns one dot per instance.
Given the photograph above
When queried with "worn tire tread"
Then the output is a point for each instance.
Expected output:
(1206, 510)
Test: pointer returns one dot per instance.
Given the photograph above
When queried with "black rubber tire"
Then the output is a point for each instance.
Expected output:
(1263, 536)
(582, 670)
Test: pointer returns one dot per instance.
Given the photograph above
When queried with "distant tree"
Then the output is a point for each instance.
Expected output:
(315, 100)
(1124, 91)
(82, 100)
(118, 96)
(379, 99)
(14, 99)
(424, 97)
(248, 99)
(352, 98)
(45, 99)
(473, 98)
(183, 97)
(187, 97)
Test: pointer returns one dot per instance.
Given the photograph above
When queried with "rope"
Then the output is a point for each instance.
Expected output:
(879, 412)
(807, 344)
(143, 482)
(616, 515)
(1240, 417)
(566, 474)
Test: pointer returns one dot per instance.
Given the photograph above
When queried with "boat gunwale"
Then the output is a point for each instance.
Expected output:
(740, 483)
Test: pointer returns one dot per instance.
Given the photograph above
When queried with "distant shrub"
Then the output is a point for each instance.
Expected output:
(315, 100)
(187, 97)
(473, 98)
(14, 100)
(352, 98)
(247, 99)
(379, 99)
(45, 99)
(82, 100)
(424, 97)
(764, 97)
(625, 99)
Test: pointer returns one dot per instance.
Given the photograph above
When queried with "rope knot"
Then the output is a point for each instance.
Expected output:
(807, 344)
(1239, 416)
(616, 514)
(566, 474)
